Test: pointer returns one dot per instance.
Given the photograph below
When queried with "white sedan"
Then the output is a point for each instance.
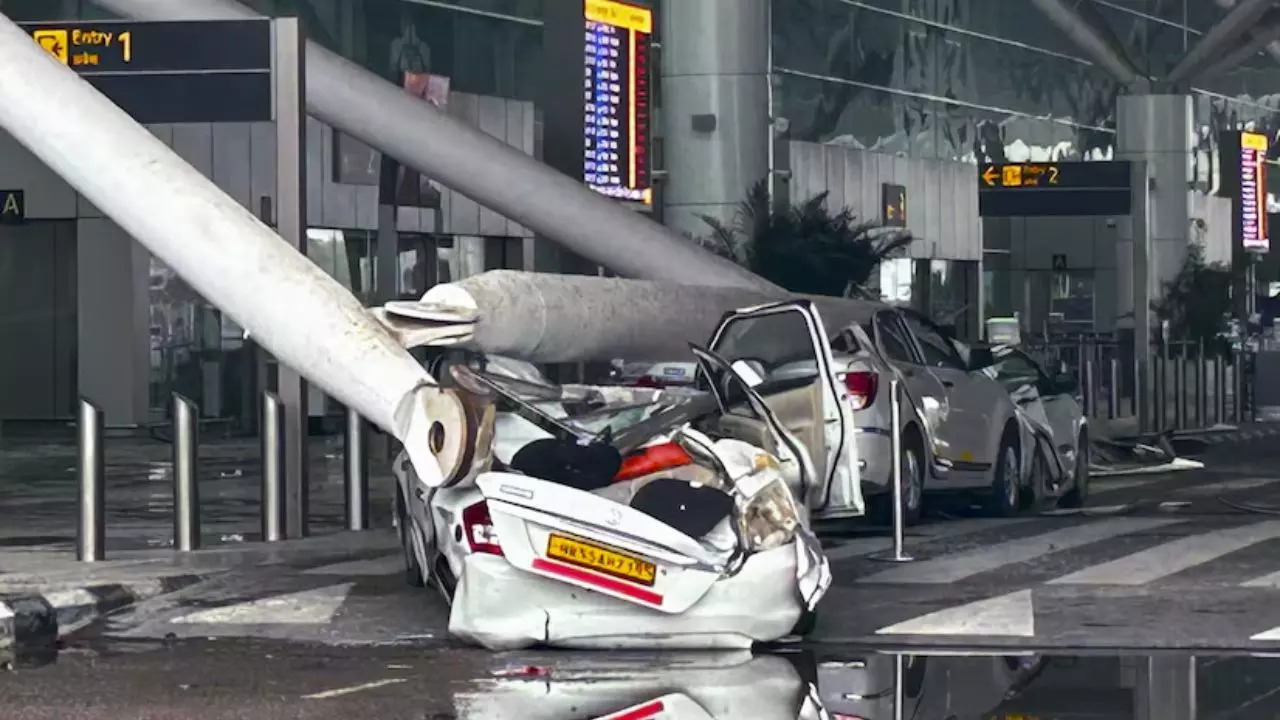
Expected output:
(605, 517)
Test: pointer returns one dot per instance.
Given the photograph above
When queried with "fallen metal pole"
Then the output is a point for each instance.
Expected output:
(91, 477)
(272, 440)
(477, 165)
(186, 479)
(355, 467)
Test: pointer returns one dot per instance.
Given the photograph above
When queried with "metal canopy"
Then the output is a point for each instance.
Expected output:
(1265, 37)
(1106, 53)
(1218, 39)
(1272, 48)
(1249, 27)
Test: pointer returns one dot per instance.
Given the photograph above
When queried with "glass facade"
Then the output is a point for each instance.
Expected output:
(978, 80)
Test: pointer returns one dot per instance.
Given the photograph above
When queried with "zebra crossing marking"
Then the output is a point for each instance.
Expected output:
(1010, 615)
(921, 534)
(1172, 557)
(957, 567)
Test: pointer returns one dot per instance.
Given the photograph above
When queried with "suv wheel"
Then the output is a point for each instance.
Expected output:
(1004, 498)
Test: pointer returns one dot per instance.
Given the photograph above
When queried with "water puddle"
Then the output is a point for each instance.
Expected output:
(849, 684)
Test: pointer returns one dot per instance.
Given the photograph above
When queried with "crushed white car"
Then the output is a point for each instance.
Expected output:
(611, 517)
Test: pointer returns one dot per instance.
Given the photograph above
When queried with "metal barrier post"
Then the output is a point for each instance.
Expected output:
(272, 437)
(1180, 389)
(355, 468)
(1113, 393)
(186, 486)
(1220, 364)
(1202, 391)
(899, 687)
(895, 418)
(1237, 385)
(1090, 391)
(91, 474)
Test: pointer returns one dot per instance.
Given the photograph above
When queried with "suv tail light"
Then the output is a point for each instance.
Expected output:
(862, 388)
(652, 459)
(477, 525)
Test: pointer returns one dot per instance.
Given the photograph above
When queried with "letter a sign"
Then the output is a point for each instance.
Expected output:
(13, 207)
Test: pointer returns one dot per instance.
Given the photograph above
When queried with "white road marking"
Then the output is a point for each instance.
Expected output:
(1269, 635)
(957, 567)
(1011, 615)
(1172, 557)
(352, 689)
(5, 611)
(917, 535)
(388, 565)
(71, 598)
(309, 607)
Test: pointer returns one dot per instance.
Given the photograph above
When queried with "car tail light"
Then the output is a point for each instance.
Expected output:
(652, 459)
(477, 525)
(648, 381)
(862, 388)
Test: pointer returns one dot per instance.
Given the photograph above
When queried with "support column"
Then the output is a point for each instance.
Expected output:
(112, 318)
(1156, 129)
(715, 106)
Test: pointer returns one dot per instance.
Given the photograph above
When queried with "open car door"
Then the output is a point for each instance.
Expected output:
(785, 346)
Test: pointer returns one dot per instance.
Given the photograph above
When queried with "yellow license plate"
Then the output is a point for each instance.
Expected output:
(601, 559)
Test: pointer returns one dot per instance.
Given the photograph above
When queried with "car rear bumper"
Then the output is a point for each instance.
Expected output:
(501, 608)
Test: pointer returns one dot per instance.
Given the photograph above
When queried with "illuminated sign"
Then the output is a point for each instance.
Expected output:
(1251, 192)
(615, 94)
(893, 198)
(13, 207)
(1061, 188)
(170, 72)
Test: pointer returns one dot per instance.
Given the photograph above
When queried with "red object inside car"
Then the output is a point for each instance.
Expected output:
(652, 459)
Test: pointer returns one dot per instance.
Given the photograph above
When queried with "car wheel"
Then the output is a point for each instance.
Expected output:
(1079, 493)
(912, 487)
(412, 569)
(1004, 498)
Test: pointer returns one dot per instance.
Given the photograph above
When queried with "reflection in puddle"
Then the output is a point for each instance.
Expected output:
(874, 685)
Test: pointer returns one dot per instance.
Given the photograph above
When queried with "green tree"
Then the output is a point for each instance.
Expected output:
(1197, 300)
(804, 248)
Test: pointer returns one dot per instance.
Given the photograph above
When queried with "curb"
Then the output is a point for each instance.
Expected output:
(33, 622)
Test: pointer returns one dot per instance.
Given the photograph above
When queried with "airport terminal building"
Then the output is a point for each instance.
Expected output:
(867, 100)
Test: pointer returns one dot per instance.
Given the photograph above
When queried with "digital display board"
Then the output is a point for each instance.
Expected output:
(1244, 179)
(170, 72)
(616, 105)
(1035, 189)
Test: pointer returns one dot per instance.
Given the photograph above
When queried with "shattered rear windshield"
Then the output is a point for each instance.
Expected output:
(588, 409)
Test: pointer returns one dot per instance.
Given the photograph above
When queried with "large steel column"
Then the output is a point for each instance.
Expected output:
(715, 106)
(1099, 45)
(1224, 35)
(288, 304)
(351, 99)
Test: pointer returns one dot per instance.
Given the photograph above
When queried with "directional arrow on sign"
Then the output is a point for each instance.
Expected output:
(990, 175)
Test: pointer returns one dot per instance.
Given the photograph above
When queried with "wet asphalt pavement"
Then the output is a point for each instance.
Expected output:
(1083, 616)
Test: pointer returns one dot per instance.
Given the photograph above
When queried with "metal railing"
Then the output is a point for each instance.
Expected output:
(1186, 385)
(92, 480)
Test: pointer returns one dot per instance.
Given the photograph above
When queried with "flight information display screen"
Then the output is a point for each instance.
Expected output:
(616, 99)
